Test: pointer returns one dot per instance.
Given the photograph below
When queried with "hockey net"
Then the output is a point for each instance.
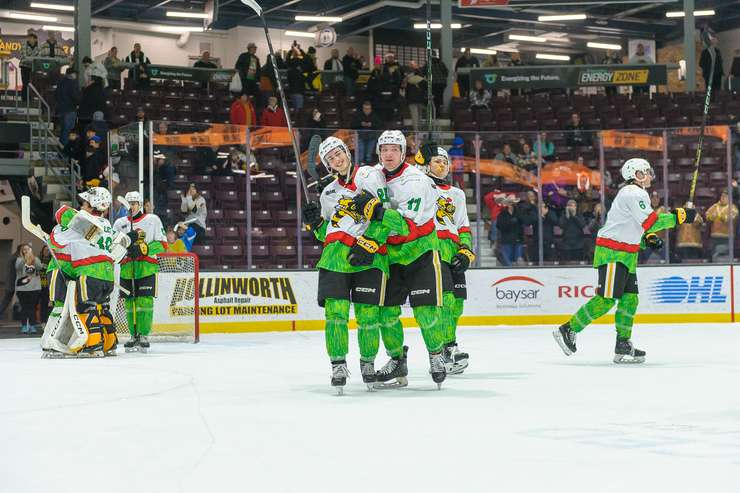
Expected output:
(176, 306)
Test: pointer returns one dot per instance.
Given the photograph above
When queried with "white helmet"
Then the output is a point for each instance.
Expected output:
(133, 196)
(328, 145)
(99, 198)
(392, 137)
(632, 166)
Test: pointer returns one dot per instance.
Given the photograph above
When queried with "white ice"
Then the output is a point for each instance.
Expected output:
(255, 413)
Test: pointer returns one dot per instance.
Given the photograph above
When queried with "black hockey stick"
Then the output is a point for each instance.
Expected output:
(430, 97)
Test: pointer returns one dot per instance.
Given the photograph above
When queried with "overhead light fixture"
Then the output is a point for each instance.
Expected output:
(480, 51)
(697, 13)
(317, 18)
(603, 46)
(436, 25)
(63, 29)
(549, 56)
(504, 49)
(187, 15)
(180, 29)
(564, 17)
(31, 17)
(300, 34)
(52, 6)
(521, 37)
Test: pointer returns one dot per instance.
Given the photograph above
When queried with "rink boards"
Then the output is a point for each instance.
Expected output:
(286, 300)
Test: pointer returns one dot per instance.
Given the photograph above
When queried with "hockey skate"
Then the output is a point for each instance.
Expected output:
(437, 368)
(455, 361)
(396, 369)
(565, 338)
(339, 374)
(133, 344)
(625, 353)
(368, 374)
(143, 344)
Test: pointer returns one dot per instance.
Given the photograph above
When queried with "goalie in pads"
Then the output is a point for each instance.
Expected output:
(85, 249)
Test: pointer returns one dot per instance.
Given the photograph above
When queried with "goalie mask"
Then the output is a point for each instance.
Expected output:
(99, 198)
(434, 161)
(327, 147)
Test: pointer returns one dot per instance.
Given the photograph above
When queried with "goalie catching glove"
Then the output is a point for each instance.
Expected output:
(312, 216)
(653, 241)
(368, 206)
(461, 261)
(684, 215)
(362, 252)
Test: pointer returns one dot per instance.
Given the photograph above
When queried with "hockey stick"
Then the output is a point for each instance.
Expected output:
(126, 204)
(706, 37)
(430, 97)
(299, 171)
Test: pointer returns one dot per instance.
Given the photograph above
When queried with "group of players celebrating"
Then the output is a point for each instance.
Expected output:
(398, 232)
(85, 249)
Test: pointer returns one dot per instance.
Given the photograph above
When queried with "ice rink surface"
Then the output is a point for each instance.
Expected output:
(255, 413)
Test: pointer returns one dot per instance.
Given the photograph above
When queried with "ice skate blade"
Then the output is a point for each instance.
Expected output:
(399, 383)
(56, 355)
(559, 339)
(370, 386)
(626, 359)
(439, 386)
(456, 368)
(110, 354)
(340, 390)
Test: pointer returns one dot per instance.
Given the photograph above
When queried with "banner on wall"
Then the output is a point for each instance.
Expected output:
(169, 72)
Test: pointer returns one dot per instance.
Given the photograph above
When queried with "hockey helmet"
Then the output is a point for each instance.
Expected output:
(133, 196)
(392, 137)
(327, 146)
(99, 198)
(426, 153)
(632, 166)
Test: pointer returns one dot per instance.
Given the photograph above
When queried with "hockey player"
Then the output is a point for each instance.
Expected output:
(416, 270)
(139, 269)
(354, 264)
(630, 222)
(455, 246)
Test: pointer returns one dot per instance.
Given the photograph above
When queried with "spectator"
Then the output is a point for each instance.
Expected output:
(94, 162)
(242, 111)
(235, 162)
(10, 279)
(463, 80)
(572, 224)
(174, 244)
(734, 72)
(141, 115)
(439, 81)
(114, 66)
(547, 147)
(492, 61)
(719, 215)
(516, 60)
(315, 126)
(334, 64)
(194, 207)
(51, 49)
(511, 233)
(705, 63)
(351, 66)
(185, 236)
(28, 51)
(148, 207)
(390, 86)
(98, 126)
(205, 61)
(373, 87)
(527, 158)
(457, 156)
(555, 194)
(273, 115)
(164, 180)
(28, 270)
(92, 69)
(313, 78)
(416, 94)
(92, 100)
(298, 65)
(507, 155)
(611, 58)
(140, 60)
(368, 124)
(641, 58)
(689, 244)
(577, 133)
(527, 212)
(494, 201)
(480, 97)
(549, 221)
(67, 97)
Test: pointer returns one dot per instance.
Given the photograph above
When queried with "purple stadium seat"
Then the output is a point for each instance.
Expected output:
(262, 218)
(230, 254)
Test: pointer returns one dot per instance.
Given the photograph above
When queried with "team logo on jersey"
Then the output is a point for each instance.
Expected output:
(346, 208)
(445, 209)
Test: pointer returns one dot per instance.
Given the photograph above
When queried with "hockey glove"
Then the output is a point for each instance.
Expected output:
(362, 252)
(369, 206)
(653, 241)
(461, 260)
(324, 182)
(136, 236)
(138, 249)
(312, 216)
(684, 215)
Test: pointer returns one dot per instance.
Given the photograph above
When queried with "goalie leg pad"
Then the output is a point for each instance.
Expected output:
(110, 339)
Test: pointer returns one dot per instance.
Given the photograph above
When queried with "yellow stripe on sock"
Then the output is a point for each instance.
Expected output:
(437, 275)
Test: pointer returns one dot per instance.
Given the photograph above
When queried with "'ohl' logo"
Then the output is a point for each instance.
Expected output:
(696, 289)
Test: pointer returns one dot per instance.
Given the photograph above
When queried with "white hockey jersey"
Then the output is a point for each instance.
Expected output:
(70, 246)
(150, 224)
(414, 195)
(630, 216)
(451, 217)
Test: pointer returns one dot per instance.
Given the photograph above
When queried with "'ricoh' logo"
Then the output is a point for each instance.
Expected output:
(517, 289)
(695, 289)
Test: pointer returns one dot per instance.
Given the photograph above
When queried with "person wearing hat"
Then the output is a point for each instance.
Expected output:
(94, 162)
(248, 66)
(28, 51)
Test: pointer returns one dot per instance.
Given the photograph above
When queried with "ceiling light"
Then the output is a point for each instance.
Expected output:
(31, 17)
(317, 18)
(521, 37)
(180, 29)
(480, 51)
(548, 56)
(63, 29)
(697, 13)
(52, 6)
(603, 46)
(505, 49)
(300, 34)
(187, 15)
(436, 25)
(564, 17)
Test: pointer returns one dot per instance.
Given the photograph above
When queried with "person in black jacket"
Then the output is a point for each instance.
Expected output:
(248, 65)
(94, 162)
(511, 233)
(416, 93)
(368, 124)
(141, 79)
(351, 66)
(572, 224)
(93, 99)
(298, 66)
(527, 212)
(463, 80)
(705, 62)
(67, 97)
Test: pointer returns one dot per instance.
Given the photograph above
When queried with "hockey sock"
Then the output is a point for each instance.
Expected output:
(431, 320)
(144, 314)
(130, 305)
(391, 330)
(625, 315)
(595, 308)
(457, 311)
(448, 320)
(368, 330)
(336, 331)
